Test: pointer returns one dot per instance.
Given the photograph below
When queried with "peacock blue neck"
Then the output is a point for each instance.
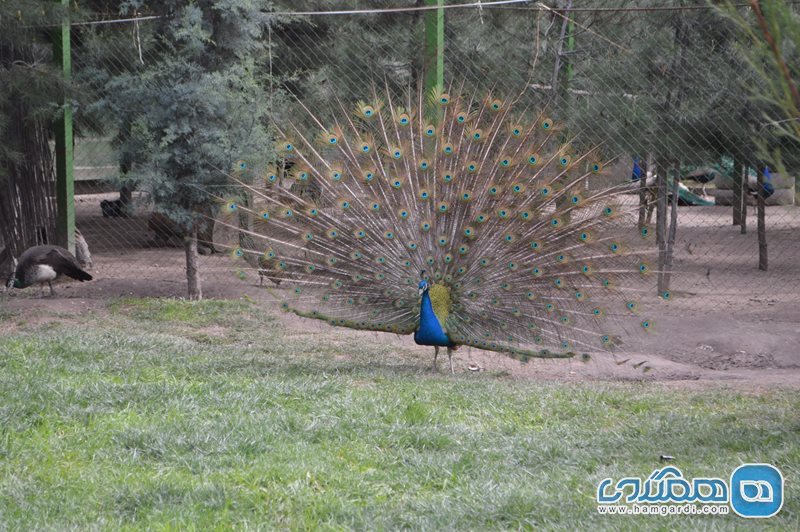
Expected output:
(430, 331)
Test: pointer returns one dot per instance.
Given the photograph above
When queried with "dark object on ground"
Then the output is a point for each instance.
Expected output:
(113, 209)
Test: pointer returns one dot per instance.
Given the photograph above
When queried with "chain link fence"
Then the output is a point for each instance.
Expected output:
(664, 92)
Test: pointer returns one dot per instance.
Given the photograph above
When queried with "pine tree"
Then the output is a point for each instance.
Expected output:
(772, 42)
(194, 108)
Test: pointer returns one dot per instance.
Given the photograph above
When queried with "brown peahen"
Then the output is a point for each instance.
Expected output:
(44, 264)
(460, 219)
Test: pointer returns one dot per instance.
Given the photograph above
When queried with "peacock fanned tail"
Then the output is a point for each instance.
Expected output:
(489, 200)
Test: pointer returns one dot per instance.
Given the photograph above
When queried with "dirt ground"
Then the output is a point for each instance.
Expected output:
(728, 324)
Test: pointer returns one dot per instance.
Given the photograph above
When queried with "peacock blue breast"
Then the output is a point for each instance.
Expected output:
(430, 331)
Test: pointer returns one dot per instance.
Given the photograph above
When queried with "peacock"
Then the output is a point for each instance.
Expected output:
(765, 189)
(465, 220)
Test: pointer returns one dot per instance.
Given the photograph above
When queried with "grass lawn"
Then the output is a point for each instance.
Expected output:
(167, 414)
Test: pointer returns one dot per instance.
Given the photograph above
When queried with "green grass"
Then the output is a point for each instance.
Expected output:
(169, 414)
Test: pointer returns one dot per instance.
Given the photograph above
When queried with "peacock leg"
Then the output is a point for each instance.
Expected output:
(435, 354)
(450, 358)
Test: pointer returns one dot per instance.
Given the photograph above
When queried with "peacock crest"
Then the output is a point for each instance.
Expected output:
(488, 203)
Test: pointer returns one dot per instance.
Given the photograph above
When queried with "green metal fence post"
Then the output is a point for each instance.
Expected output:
(65, 186)
(434, 45)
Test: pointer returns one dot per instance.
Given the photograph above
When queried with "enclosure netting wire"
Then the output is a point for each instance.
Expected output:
(665, 88)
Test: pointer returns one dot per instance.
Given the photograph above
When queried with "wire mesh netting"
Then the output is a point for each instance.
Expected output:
(663, 92)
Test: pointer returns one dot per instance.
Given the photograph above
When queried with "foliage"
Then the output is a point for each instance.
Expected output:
(321, 58)
(27, 74)
(195, 106)
(672, 83)
(771, 49)
(669, 83)
(186, 142)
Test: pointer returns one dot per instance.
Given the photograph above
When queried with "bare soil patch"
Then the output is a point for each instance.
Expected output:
(728, 324)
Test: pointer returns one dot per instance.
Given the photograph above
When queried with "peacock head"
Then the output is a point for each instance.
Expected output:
(423, 284)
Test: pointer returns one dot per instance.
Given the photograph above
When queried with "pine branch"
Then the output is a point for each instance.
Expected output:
(771, 41)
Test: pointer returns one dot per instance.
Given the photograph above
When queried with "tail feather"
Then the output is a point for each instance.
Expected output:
(63, 262)
(537, 260)
(82, 275)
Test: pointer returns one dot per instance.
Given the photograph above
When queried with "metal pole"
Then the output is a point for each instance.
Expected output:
(65, 186)
(434, 46)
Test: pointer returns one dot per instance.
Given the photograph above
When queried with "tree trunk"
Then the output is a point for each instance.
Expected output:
(738, 192)
(126, 192)
(126, 199)
(643, 199)
(416, 72)
(673, 228)
(27, 183)
(6, 263)
(557, 89)
(192, 268)
(661, 222)
(560, 97)
(762, 224)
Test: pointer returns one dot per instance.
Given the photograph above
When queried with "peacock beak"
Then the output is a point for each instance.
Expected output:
(421, 291)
